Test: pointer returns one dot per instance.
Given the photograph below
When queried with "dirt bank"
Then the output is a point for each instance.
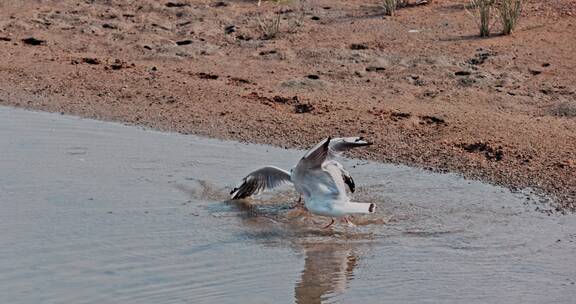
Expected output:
(421, 85)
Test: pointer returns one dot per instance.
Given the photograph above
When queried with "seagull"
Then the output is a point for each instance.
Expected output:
(317, 177)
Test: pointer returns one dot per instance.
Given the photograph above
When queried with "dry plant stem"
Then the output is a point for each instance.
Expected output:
(299, 21)
(270, 28)
(510, 11)
(389, 6)
(484, 8)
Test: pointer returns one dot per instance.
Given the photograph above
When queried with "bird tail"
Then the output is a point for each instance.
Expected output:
(353, 207)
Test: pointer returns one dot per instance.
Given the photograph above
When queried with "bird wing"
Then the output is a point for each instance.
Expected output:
(316, 156)
(342, 144)
(319, 176)
(328, 149)
(259, 181)
(348, 180)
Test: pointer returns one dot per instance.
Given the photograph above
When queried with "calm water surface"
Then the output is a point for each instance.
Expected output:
(96, 212)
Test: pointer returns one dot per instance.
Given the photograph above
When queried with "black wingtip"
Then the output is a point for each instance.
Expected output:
(237, 196)
(327, 143)
(350, 182)
(365, 142)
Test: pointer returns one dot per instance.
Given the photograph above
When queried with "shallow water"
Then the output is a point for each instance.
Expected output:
(96, 212)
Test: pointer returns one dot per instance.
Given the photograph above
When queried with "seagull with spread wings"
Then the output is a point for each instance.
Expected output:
(318, 177)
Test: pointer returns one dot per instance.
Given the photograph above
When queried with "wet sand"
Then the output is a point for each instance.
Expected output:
(96, 212)
(420, 85)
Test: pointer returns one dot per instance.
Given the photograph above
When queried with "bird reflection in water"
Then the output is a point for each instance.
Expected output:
(330, 256)
(327, 270)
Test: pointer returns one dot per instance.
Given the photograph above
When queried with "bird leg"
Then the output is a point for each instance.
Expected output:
(298, 209)
(299, 204)
(348, 222)
(331, 222)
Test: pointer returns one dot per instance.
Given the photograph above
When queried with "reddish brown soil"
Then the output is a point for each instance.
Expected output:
(421, 85)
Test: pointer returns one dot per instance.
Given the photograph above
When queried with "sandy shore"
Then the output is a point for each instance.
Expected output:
(420, 85)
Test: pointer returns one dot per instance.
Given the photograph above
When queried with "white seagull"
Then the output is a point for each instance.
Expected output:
(317, 177)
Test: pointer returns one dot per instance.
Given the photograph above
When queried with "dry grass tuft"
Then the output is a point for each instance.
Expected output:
(390, 6)
(510, 11)
(482, 10)
(270, 28)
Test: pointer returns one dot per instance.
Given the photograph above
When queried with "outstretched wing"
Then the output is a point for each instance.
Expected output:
(341, 144)
(328, 149)
(259, 181)
(316, 156)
